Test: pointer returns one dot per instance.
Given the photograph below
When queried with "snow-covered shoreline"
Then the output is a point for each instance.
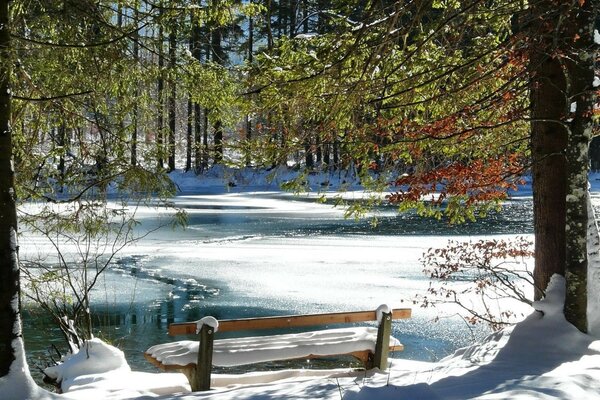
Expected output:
(523, 362)
(542, 357)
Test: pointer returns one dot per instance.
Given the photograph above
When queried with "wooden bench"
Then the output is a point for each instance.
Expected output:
(195, 358)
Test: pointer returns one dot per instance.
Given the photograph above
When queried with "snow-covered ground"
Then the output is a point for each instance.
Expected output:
(542, 357)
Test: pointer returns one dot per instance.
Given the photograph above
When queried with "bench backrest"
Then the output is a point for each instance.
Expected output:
(288, 321)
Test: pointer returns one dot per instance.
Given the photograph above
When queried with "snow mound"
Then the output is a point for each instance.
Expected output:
(100, 371)
(95, 357)
(552, 303)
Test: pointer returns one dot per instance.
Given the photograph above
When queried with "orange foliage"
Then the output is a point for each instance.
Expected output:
(478, 181)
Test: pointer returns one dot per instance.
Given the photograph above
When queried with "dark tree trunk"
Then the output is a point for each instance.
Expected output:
(218, 142)
(173, 94)
(250, 60)
(197, 54)
(159, 95)
(293, 9)
(268, 17)
(305, 16)
(205, 139)
(61, 141)
(308, 154)
(250, 40)
(319, 151)
(190, 135)
(198, 138)
(134, 131)
(336, 153)
(548, 145)
(10, 327)
(281, 19)
(218, 56)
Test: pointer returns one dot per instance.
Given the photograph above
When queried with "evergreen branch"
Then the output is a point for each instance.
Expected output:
(52, 98)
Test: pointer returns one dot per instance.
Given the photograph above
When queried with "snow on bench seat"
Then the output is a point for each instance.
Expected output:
(251, 350)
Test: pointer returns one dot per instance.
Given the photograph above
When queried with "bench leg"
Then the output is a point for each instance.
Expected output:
(201, 379)
(382, 346)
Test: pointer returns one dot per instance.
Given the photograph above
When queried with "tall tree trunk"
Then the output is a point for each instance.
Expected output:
(61, 141)
(308, 153)
(305, 16)
(548, 145)
(197, 54)
(580, 68)
(159, 95)
(319, 151)
(218, 56)
(336, 153)
(190, 134)
(250, 60)
(172, 94)
(10, 327)
(281, 19)
(198, 138)
(268, 17)
(218, 142)
(293, 9)
(205, 139)
(136, 55)
(308, 149)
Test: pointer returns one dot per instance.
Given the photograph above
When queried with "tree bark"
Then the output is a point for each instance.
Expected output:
(580, 69)
(218, 56)
(10, 327)
(293, 10)
(248, 159)
(190, 134)
(548, 145)
(173, 93)
(198, 147)
(159, 95)
(136, 55)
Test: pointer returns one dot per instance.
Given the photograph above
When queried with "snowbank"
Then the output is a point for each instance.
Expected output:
(100, 371)
(219, 179)
(95, 357)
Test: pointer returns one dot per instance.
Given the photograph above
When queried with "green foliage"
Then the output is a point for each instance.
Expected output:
(407, 90)
(408, 96)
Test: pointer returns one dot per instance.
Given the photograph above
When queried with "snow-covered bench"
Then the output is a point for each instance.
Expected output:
(195, 357)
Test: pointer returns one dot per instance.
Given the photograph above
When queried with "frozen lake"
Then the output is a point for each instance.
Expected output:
(268, 253)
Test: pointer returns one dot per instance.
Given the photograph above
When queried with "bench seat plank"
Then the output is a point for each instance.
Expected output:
(288, 321)
(251, 350)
